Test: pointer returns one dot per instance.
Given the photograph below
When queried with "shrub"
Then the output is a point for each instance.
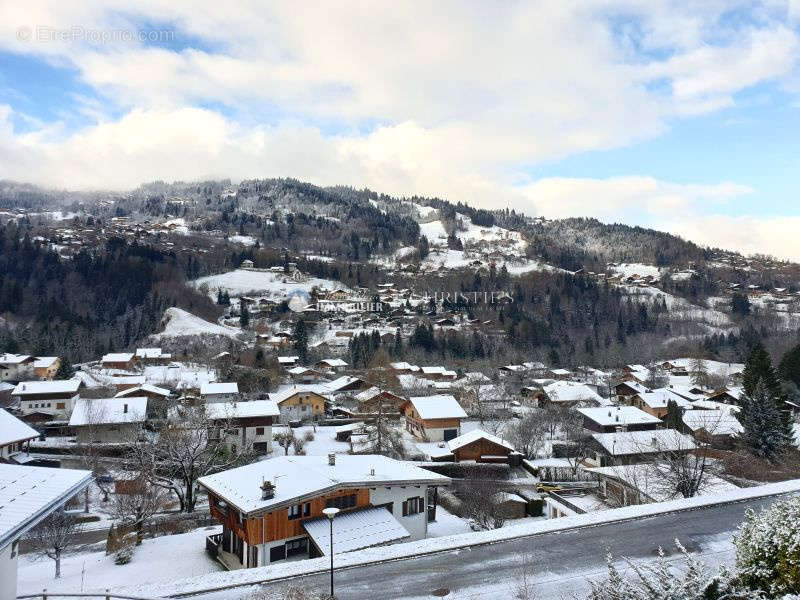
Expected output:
(124, 555)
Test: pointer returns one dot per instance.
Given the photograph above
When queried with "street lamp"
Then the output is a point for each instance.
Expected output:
(330, 513)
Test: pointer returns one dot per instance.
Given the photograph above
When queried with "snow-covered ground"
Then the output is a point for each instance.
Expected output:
(181, 375)
(324, 441)
(638, 269)
(180, 323)
(447, 524)
(245, 240)
(245, 282)
(158, 560)
(434, 231)
(683, 310)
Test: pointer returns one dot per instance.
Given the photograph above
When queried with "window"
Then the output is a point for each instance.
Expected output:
(259, 431)
(277, 553)
(299, 510)
(341, 502)
(296, 547)
(413, 506)
(60, 405)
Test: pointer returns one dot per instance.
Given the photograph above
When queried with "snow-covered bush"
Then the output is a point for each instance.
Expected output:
(768, 549)
(124, 555)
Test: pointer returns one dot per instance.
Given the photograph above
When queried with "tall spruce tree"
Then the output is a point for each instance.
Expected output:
(759, 368)
(789, 367)
(300, 339)
(767, 431)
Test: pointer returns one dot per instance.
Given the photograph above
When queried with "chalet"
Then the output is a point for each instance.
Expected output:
(244, 425)
(288, 361)
(656, 402)
(608, 419)
(625, 390)
(717, 427)
(305, 375)
(46, 367)
(126, 382)
(377, 400)
(404, 368)
(53, 489)
(560, 374)
(124, 361)
(147, 390)
(219, 392)
(108, 420)
(13, 435)
(54, 398)
(433, 418)
(629, 447)
(636, 373)
(438, 373)
(345, 383)
(479, 446)
(152, 356)
(446, 322)
(246, 264)
(270, 512)
(570, 394)
(725, 396)
(299, 404)
(331, 364)
(15, 367)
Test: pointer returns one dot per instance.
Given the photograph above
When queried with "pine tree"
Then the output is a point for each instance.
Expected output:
(244, 316)
(300, 337)
(766, 430)
(789, 367)
(759, 368)
(65, 370)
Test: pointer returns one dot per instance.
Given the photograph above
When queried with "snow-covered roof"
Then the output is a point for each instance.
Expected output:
(661, 397)
(297, 478)
(117, 357)
(287, 360)
(572, 391)
(333, 362)
(219, 388)
(13, 359)
(43, 362)
(285, 394)
(355, 529)
(560, 371)
(107, 411)
(644, 442)
(241, 410)
(441, 406)
(341, 382)
(297, 370)
(29, 494)
(438, 371)
(404, 366)
(618, 415)
(145, 387)
(715, 422)
(150, 353)
(13, 430)
(58, 386)
(636, 386)
(475, 435)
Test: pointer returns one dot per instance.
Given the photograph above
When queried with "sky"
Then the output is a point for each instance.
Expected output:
(682, 116)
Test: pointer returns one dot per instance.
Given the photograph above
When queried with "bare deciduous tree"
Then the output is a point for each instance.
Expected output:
(528, 435)
(140, 504)
(54, 535)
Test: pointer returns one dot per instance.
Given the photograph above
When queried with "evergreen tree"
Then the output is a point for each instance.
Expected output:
(789, 367)
(244, 316)
(674, 417)
(65, 370)
(300, 338)
(766, 430)
(759, 368)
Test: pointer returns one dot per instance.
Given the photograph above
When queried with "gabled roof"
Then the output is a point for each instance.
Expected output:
(572, 391)
(145, 387)
(58, 386)
(618, 415)
(29, 494)
(241, 410)
(341, 382)
(474, 436)
(13, 430)
(43, 362)
(219, 388)
(715, 422)
(437, 407)
(333, 362)
(644, 442)
(282, 396)
(108, 411)
(14, 359)
(117, 357)
(298, 478)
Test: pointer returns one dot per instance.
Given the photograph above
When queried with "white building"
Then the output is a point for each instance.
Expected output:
(13, 435)
(54, 398)
(14, 367)
(245, 425)
(108, 420)
(22, 509)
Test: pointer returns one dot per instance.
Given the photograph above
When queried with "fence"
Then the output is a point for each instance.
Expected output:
(107, 595)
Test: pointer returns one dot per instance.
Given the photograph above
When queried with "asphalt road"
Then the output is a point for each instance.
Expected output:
(555, 565)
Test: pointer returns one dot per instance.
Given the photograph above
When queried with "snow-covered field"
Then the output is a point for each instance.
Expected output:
(180, 323)
(246, 240)
(681, 309)
(243, 282)
(183, 375)
(434, 231)
(158, 560)
(638, 269)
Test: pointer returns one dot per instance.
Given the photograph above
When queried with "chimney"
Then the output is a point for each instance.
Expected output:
(332, 459)
(372, 472)
(124, 408)
(267, 490)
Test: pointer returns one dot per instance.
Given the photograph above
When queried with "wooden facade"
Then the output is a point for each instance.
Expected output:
(276, 525)
(478, 449)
